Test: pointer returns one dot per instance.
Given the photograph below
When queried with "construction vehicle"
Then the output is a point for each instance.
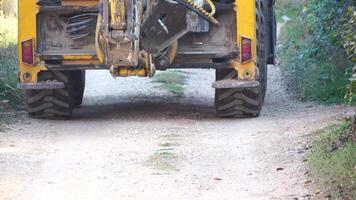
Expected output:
(60, 39)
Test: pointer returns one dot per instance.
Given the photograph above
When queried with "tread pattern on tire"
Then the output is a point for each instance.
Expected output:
(240, 103)
(51, 104)
(78, 87)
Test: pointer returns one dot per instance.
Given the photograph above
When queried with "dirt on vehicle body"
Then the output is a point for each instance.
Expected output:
(137, 38)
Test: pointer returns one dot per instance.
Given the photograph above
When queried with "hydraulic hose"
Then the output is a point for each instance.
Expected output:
(212, 6)
(190, 4)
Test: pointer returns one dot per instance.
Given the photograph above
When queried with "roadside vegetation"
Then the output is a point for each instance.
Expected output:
(333, 159)
(317, 55)
(9, 94)
(317, 47)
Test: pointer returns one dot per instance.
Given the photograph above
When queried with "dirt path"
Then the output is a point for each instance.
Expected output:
(131, 140)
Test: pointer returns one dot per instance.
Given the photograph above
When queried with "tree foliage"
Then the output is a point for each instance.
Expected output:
(317, 48)
(333, 22)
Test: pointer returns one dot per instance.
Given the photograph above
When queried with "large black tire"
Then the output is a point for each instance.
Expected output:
(241, 103)
(55, 103)
(263, 42)
(79, 87)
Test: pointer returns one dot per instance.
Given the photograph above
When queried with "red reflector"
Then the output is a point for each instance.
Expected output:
(27, 52)
(246, 50)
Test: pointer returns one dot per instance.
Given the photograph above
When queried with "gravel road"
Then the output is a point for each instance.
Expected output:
(132, 140)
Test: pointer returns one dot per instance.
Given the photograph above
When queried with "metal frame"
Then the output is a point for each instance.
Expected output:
(28, 11)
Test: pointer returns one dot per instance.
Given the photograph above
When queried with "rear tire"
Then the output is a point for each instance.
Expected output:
(237, 103)
(241, 103)
(78, 87)
(54, 103)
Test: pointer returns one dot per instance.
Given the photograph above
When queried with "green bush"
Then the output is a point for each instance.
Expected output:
(317, 48)
(8, 61)
(8, 73)
(332, 23)
(287, 8)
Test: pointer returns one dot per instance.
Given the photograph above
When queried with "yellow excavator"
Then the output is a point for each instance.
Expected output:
(60, 39)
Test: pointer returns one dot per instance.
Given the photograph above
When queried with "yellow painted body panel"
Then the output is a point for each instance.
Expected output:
(28, 9)
(80, 2)
(27, 30)
(79, 57)
(246, 27)
(117, 13)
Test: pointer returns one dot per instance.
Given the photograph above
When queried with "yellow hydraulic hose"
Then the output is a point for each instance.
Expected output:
(210, 16)
(212, 6)
(172, 53)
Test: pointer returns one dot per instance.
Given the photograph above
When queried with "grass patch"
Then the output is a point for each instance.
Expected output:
(164, 160)
(168, 144)
(315, 66)
(171, 81)
(333, 158)
(8, 61)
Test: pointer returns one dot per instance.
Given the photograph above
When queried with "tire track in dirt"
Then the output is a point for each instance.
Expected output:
(112, 148)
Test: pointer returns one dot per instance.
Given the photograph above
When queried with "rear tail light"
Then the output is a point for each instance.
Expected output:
(246, 50)
(27, 52)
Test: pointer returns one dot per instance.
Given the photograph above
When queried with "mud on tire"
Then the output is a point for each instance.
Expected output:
(55, 103)
(240, 103)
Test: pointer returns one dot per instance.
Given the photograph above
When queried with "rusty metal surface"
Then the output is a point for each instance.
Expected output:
(53, 35)
(121, 47)
(220, 42)
(234, 83)
(164, 23)
(195, 49)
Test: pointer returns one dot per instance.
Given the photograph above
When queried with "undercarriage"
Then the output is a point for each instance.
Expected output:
(139, 37)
